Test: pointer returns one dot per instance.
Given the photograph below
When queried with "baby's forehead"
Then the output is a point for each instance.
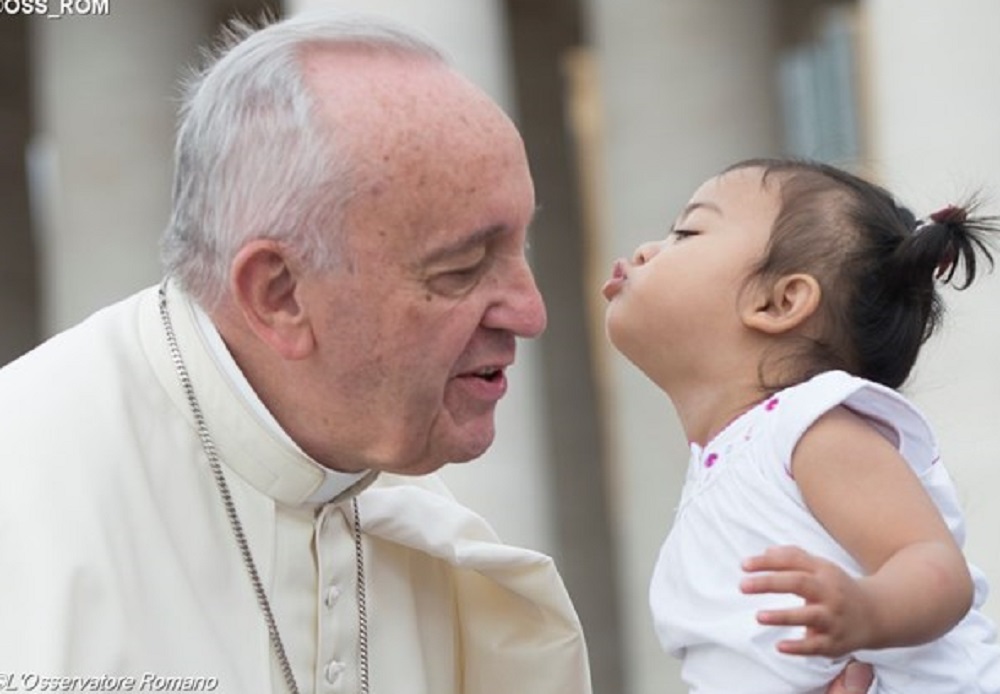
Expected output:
(747, 191)
(751, 180)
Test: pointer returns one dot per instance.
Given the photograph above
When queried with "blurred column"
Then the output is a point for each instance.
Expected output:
(688, 87)
(556, 99)
(106, 99)
(510, 484)
(934, 117)
(18, 267)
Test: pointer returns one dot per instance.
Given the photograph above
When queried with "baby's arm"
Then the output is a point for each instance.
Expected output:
(917, 584)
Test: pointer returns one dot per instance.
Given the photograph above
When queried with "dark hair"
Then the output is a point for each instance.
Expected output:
(875, 262)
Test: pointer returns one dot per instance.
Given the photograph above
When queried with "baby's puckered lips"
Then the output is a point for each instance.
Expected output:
(618, 277)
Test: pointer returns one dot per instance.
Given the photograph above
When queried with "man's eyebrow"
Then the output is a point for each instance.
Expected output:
(477, 238)
(474, 240)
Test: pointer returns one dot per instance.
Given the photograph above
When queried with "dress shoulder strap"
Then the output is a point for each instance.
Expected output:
(795, 409)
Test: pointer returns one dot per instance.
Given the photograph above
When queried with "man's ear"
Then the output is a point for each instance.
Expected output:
(782, 306)
(266, 287)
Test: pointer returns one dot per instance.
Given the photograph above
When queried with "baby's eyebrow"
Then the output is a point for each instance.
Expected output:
(692, 206)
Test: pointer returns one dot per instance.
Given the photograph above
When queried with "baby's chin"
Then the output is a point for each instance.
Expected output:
(622, 337)
(614, 329)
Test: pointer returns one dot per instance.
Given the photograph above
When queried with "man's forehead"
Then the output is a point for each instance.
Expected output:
(346, 78)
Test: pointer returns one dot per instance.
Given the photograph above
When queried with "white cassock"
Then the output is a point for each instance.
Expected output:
(117, 560)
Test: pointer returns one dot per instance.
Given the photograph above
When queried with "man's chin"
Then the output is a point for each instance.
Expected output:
(432, 463)
(476, 444)
(454, 444)
(469, 447)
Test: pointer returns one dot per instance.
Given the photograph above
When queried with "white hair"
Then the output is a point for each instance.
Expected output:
(251, 160)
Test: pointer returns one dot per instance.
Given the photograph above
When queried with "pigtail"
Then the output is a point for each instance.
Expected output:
(949, 240)
(945, 247)
(967, 236)
(898, 306)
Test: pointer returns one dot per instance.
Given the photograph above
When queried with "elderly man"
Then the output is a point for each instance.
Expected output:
(219, 484)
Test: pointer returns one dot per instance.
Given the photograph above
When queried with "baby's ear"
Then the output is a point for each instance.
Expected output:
(781, 306)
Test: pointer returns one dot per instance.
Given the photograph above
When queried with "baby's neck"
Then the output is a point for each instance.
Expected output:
(705, 411)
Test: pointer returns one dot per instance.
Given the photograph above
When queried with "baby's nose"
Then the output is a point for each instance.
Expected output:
(645, 252)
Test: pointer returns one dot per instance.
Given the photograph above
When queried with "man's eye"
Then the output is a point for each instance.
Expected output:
(465, 272)
(457, 281)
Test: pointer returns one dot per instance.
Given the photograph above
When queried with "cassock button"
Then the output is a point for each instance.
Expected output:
(332, 671)
(331, 595)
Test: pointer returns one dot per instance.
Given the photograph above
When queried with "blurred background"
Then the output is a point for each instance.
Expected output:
(626, 106)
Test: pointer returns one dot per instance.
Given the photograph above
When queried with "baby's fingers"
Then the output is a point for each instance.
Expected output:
(782, 558)
(818, 644)
(819, 638)
(809, 616)
(784, 582)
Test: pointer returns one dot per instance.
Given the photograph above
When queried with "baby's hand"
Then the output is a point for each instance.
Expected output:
(836, 614)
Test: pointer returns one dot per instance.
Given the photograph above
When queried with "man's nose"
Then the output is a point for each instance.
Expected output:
(520, 307)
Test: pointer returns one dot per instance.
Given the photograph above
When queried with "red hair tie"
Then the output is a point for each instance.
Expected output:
(949, 215)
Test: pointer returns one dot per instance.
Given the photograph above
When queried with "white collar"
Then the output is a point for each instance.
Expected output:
(334, 482)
